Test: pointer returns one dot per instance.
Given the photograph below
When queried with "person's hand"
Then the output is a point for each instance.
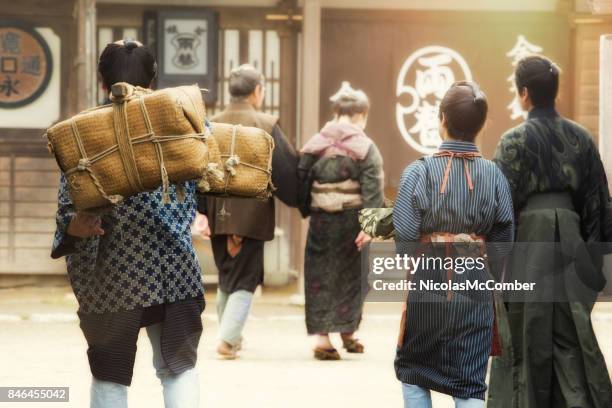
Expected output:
(201, 227)
(234, 245)
(362, 240)
(84, 225)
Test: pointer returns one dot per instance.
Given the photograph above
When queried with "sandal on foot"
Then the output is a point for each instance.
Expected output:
(226, 351)
(352, 346)
(326, 354)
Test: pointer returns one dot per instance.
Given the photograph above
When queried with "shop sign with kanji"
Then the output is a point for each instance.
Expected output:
(25, 64)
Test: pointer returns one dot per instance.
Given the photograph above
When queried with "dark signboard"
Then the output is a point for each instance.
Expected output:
(186, 44)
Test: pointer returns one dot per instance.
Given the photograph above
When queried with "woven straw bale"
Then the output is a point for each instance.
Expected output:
(176, 111)
(247, 170)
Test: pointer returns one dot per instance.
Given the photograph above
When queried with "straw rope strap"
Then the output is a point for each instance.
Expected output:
(158, 150)
(122, 135)
(211, 169)
(238, 162)
(233, 160)
(85, 165)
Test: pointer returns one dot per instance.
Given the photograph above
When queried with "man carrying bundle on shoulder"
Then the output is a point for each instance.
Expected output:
(239, 227)
(134, 266)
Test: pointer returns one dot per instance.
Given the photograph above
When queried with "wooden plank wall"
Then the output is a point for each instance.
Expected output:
(28, 174)
(28, 200)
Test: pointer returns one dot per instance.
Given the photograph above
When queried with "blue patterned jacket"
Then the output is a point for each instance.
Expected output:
(145, 257)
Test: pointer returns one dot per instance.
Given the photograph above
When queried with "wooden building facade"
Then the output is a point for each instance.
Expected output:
(400, 52)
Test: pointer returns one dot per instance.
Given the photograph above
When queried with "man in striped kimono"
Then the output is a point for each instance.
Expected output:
(446, 337)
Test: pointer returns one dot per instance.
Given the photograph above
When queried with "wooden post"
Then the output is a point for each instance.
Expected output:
(605, 123)
(605, 103)
(288, 218)
(85, 59)
(288, 80)
(309, 105)
(311, 66)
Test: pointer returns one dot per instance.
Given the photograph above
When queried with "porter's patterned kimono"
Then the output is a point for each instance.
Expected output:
(551, 357)
(142, 271)
(446, 344)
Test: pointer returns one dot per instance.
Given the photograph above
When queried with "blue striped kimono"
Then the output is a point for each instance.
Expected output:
(446, 343)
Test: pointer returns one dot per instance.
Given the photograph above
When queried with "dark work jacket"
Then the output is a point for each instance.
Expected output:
(248, 217)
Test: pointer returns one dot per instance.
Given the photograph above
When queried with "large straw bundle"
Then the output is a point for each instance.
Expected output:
(245, 157)
(142, 141)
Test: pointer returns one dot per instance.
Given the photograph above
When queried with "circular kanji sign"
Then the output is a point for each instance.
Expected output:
(25, 64)
(422, 82)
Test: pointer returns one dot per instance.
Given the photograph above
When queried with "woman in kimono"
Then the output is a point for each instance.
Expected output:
(340, 172)
(551, 357)
(453, 196)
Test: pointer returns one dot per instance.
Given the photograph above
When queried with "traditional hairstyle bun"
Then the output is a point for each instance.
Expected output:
(540, 76)
(127, 61)
(130, 44)
(464, 109)
(480, 98)
(349, 101)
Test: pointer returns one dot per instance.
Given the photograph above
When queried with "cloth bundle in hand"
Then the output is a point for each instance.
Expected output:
(243, 155)
(377, 222)
(142, 141)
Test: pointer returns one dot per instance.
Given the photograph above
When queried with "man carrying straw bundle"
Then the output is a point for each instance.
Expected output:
(134, 266)
(239, 227)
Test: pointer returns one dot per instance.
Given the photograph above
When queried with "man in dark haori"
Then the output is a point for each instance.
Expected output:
(550, 355)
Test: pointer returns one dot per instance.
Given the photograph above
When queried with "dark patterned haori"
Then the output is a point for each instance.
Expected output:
(145, 257)
(549, 153)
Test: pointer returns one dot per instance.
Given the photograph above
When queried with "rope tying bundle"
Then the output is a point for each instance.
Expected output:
(233, 160)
